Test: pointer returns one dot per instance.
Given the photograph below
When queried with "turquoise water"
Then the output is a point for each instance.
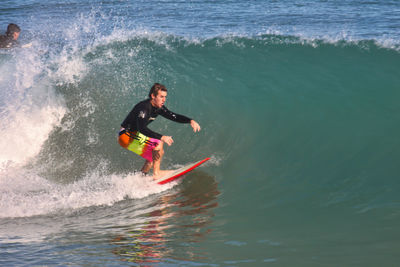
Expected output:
(298, 104)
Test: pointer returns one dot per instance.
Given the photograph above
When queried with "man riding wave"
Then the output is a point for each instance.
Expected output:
(137, 137)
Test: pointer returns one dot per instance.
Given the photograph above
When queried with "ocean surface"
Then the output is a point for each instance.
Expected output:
(299, 104)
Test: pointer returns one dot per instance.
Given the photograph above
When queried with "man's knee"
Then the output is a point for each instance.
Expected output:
(157, 154)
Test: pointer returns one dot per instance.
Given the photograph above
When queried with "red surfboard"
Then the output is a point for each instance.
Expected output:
(181, 171)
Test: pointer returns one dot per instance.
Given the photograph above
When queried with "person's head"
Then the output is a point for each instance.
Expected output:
(13, 31)
(158, 95)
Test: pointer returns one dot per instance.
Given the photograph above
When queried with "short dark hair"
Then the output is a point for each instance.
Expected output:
(12, 28)
(156, 88)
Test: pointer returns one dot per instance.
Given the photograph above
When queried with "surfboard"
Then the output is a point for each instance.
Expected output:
(180, 172)
(26, 45)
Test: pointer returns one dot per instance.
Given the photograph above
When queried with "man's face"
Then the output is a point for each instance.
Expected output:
(15, 35)
(159, 100)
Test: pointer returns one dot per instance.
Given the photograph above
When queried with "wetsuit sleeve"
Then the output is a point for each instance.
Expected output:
(141, 125)
(173, 116)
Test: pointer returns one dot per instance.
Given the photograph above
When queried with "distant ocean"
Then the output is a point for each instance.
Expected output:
(299, 104)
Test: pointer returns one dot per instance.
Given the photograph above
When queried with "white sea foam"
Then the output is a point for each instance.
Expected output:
(24, 132)
(24, 193)
(30, 108)
(314, 39)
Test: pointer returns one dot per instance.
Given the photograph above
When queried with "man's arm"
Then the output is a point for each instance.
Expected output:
(179, 118)
(166, 113)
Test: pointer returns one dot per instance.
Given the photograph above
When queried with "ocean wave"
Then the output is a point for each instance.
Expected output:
(290, 104)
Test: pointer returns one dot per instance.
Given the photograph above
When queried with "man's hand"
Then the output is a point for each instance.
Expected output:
(195, 126)
(167, 139)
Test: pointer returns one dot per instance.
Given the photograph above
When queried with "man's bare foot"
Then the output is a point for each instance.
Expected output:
(162, 173)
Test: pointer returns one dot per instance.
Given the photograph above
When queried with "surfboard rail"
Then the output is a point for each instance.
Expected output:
(184, 170)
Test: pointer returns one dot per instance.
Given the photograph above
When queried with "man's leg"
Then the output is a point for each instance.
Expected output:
(147, 166)
(158, 154)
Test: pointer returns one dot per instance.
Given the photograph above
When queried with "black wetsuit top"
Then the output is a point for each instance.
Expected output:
(7, 41)
(144, 113)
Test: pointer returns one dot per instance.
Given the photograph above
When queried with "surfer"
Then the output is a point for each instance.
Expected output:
(10, 38)
(134, 134)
